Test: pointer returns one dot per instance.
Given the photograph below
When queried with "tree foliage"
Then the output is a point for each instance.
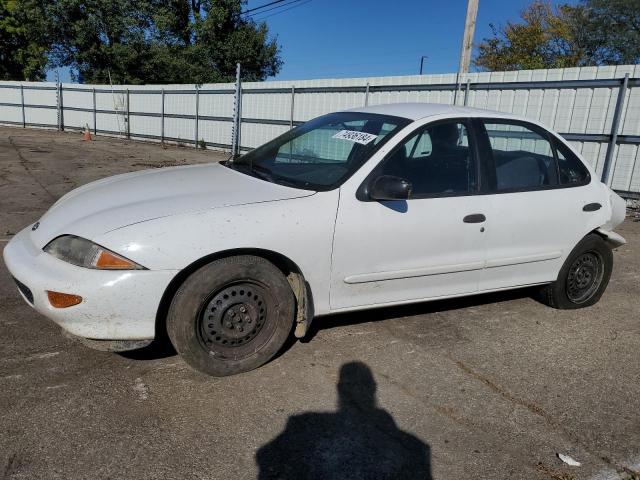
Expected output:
(160, 41)
(613, 30)
(593, 32)
(23, 43)
(138, 41)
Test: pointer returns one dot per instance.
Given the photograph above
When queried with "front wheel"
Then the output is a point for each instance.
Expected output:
(232, 315)
(584, 276)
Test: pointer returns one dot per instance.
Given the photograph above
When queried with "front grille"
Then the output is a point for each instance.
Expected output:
(24, 290)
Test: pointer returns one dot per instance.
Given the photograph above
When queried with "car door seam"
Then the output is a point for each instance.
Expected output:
(333, 239)
(414, 272)
(446, 269)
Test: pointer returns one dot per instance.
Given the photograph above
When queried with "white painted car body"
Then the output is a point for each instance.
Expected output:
(352, 254)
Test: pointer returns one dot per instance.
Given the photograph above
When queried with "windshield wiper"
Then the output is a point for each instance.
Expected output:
(262, 172)
(265, 174)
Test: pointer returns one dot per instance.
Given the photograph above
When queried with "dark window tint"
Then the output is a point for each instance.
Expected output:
(523, 158)
(436, 160)
(570, 168)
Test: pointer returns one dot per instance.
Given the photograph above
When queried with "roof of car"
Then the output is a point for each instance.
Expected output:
(415, 111)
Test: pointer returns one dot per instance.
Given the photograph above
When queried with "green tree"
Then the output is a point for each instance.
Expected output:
(23, 40)
(545, 38)
(160, 41)
(612, 30)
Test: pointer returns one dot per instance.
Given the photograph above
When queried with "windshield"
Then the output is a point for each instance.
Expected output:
(322, 153)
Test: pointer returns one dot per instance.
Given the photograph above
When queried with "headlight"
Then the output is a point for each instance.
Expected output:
(84, 253)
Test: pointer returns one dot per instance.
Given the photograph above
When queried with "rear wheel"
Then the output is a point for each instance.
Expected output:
(232, 315)
(583, 277)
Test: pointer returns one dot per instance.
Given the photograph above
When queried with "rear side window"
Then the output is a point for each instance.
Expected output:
(570, 169)
(523, 158)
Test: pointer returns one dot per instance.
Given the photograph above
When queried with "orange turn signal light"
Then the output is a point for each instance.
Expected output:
(111, 261)
(63, 300)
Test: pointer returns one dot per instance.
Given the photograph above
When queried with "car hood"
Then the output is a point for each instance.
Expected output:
(121, 200)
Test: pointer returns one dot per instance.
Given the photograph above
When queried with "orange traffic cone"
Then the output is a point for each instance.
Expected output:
(86, 135)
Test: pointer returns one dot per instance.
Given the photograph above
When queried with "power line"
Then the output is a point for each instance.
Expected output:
(289, 2)
(262, 6)
(285, 10)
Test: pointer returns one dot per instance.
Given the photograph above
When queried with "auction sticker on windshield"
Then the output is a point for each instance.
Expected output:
(355, 136)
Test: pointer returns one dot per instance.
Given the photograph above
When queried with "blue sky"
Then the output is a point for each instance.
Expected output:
(356, 38)
(361, 38)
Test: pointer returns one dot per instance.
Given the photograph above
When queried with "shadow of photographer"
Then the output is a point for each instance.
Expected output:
(358, 441)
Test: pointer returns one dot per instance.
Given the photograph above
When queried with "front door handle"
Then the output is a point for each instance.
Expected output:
(474, 218)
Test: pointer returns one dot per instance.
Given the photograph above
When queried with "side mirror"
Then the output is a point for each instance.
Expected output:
(388, 187)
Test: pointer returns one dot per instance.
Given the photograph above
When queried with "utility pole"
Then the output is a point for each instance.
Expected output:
(467, 43)
(467, 39)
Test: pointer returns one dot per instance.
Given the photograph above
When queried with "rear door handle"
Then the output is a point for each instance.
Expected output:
(591, 207)
(474, 218)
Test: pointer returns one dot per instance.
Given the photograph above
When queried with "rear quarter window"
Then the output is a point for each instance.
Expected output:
(571, 171)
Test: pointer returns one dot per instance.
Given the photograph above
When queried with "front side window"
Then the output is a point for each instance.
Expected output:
(523, 158)
(436, 160)
(323, 153)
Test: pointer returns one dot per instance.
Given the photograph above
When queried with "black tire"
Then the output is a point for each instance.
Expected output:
(231, 315)
(583, 278)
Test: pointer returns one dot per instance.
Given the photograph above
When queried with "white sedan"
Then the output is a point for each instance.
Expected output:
(371, 207)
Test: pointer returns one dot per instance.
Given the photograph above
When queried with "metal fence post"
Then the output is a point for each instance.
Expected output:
(466, 93)
(457, 88)
(366, 95)
(162, 116)
(24, 121)
(128, 116)
(239, 136)
(293, 97)
(197, 116)
(60, 108)
(95, 122)
(622, 93)
(237, 123)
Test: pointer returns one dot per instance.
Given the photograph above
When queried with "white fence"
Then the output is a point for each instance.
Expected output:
(595, 108)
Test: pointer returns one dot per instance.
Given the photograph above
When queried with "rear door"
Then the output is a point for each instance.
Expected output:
(534, 203)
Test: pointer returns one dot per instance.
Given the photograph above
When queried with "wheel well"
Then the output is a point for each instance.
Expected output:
(288, 268)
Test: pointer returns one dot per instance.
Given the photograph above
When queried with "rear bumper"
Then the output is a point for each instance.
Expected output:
(116, 305)
(614, 239)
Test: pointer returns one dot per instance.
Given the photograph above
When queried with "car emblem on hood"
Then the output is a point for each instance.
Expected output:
(35, 226)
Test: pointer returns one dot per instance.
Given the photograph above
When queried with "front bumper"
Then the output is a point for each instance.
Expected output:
(116, 305)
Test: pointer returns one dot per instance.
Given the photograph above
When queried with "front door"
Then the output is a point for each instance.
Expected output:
(427, 246)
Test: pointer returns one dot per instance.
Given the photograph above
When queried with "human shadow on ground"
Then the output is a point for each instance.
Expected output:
(358, 441)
